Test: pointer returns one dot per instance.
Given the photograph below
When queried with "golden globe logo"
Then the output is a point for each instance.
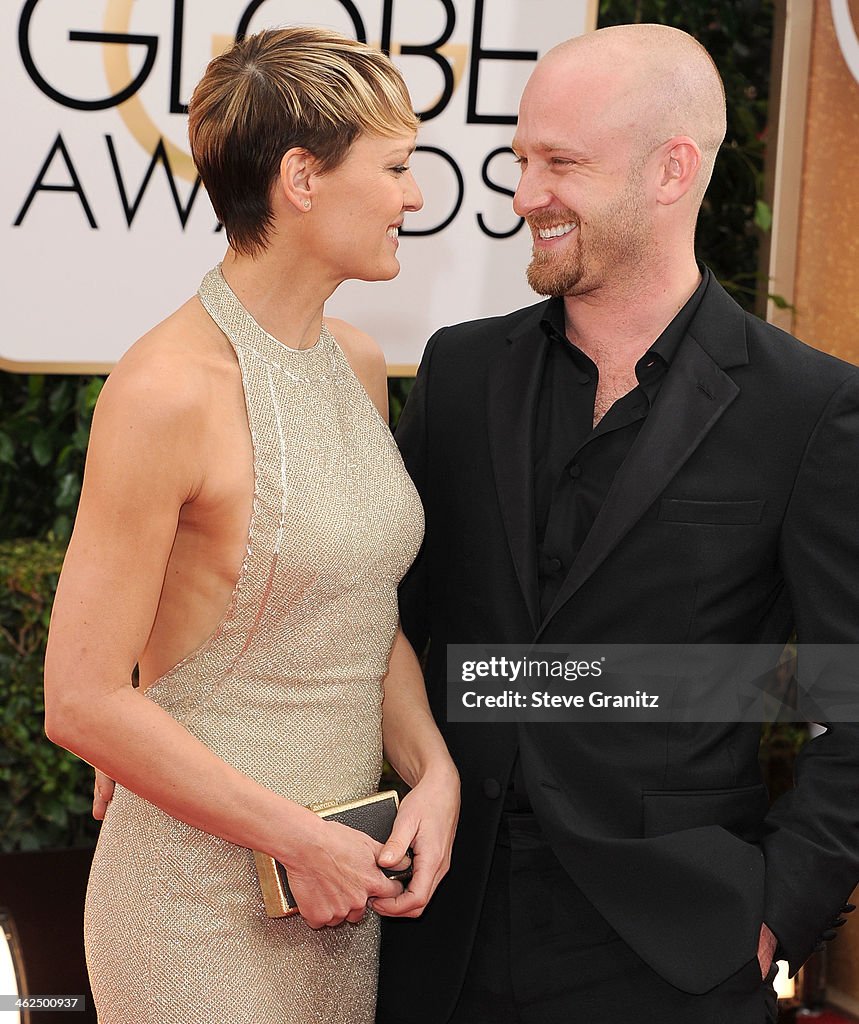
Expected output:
(101, 195)
(129, 58)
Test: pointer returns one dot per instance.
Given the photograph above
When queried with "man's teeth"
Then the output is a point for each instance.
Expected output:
(393, 232)
(556, 231)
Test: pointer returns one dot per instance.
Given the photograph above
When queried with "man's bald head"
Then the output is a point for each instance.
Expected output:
(654, 82)
(617, 135)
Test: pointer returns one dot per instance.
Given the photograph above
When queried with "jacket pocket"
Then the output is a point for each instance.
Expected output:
(740, 810)
(715, 513)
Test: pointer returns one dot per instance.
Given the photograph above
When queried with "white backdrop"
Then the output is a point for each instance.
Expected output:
(101, 242)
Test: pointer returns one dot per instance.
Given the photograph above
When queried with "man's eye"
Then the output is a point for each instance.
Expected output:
(521, 160)
(400, 169)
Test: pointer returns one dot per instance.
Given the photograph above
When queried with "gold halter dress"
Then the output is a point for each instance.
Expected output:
(288, 690)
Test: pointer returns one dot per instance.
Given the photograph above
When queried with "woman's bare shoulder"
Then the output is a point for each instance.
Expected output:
(356, 343)
(178, 370)
(182, 360)
(366, 359)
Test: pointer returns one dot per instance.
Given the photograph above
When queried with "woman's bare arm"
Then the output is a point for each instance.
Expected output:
(142, 467)
(429, 813)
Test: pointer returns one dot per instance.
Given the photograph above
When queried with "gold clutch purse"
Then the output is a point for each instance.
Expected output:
(373, 815)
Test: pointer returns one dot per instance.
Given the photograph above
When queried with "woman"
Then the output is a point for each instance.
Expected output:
(244, 501)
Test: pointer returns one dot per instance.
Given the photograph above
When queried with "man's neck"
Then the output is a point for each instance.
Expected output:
(616, 325)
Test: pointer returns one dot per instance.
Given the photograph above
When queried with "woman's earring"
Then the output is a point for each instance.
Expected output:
(306, 204)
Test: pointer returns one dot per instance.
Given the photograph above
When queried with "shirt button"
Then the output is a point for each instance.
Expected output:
(585, 378)
(575, 471)
(491, 789)
(553, 565)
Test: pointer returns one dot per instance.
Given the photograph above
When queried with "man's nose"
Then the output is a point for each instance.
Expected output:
(531, 194)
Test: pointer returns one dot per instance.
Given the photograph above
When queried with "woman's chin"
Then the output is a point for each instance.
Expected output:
(387, 272)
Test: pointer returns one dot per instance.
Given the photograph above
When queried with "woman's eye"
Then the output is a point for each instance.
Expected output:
(400, 169)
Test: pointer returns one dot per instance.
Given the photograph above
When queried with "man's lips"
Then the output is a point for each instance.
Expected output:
(551, 234)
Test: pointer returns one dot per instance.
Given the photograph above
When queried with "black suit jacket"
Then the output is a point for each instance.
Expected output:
(734, 519)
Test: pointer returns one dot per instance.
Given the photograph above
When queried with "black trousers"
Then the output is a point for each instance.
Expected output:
(543, 955)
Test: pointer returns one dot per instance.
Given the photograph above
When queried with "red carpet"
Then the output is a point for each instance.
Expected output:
(824, 1017)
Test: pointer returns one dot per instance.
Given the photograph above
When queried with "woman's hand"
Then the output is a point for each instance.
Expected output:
(767, 943)
(102, 794)
(333, 874)
(427, 823)
(429, 813)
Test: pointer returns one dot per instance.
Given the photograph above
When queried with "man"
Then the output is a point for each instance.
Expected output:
(635, 460)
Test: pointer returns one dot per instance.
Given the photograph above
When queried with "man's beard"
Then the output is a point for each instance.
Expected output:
(555, 273)
(618, 235)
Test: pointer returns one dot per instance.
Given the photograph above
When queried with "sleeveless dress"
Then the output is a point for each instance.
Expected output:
(288, 690)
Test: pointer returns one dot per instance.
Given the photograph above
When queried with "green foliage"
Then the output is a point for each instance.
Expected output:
(398, 392)
(45, 792)
(780, 743)
(44, 430)
(738, 36)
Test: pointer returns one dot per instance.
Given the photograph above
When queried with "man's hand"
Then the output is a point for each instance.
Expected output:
(333, 875)
(426, 822)
(766, 949)
(102, 794)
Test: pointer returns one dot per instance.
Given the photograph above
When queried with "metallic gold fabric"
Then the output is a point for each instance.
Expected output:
(288, 690)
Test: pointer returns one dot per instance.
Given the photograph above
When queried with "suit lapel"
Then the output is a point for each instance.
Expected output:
(512, 390)
(693, 396)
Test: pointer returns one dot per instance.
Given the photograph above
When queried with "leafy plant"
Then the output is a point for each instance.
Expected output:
(44, 431)
(45, 792)
(398, 392)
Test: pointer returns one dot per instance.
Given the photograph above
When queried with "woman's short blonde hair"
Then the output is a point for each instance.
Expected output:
(281, 88)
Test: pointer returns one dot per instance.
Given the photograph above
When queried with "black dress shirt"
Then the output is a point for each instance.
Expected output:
(574, 461)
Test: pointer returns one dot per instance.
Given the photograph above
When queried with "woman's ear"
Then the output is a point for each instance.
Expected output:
(681, 163)
(297, 166)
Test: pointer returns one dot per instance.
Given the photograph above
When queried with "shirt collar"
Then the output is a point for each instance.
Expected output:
(665, 347)
(668, 342)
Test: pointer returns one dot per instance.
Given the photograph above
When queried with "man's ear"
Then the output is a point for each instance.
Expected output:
(297, 167)
(679, 169)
